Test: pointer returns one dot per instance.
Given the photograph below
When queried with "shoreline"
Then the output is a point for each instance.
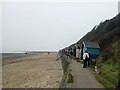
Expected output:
(17, 55)
(16, 58)
(8, 58)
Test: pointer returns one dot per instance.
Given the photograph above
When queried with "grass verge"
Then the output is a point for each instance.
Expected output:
(108, 74)
(70, 78)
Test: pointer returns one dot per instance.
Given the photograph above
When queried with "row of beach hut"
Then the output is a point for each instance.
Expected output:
(92, 47)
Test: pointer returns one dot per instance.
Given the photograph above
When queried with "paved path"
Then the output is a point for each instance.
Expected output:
(83, 78)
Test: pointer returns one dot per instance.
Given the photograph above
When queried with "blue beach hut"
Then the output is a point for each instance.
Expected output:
(92, 47)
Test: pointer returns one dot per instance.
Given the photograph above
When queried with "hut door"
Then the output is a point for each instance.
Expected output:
(82, 51)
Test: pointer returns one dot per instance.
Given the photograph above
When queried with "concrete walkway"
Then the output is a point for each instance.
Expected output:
(83, 78)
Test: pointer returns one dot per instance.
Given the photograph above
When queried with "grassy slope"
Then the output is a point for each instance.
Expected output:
(108, 67)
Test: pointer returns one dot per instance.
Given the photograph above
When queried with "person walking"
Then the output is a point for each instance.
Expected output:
(74, 51)
(85, 59)
(71, 52)
(78, 53)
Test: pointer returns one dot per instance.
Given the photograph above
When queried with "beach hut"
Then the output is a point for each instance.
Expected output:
(92, 47)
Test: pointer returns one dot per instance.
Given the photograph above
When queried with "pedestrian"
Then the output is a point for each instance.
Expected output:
(85, 59)
(71, 52)
(74, 51)
(67, 52)
(78, 53)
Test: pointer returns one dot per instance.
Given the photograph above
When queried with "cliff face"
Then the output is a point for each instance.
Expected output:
(106, 33)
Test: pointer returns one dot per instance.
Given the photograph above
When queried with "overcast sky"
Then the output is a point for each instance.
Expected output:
(50, 25)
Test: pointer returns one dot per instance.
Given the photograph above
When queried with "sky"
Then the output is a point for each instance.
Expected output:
(49, 25)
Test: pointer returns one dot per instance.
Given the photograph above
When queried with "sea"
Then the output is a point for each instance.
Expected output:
(10, 56)
(16, 55)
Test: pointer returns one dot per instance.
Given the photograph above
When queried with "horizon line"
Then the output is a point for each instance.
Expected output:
(31, 51)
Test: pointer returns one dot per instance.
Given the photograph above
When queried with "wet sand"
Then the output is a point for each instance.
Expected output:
(36, 71)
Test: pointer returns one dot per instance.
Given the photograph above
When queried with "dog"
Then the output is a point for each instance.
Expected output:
(97, 70)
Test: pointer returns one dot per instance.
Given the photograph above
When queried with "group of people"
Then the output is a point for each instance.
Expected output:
(73, 51)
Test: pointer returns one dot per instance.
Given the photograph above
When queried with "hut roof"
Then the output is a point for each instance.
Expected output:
(91, 44)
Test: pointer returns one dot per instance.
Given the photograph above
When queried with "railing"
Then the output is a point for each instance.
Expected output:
(66, 61)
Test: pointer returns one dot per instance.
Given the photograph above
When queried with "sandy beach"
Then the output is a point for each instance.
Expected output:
(36, 71)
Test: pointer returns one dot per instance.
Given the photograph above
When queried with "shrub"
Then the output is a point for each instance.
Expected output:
(70, 78)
